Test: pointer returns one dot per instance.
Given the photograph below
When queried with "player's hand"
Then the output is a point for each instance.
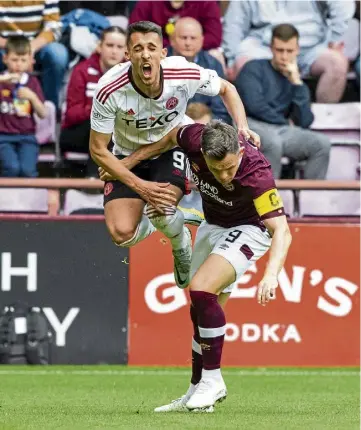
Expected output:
(250, 135)
(105, 176)
(157, 194)
(267, 289)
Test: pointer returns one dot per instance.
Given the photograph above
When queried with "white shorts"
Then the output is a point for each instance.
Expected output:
(241, 246)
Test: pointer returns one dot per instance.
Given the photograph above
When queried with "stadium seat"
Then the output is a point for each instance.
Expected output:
(76, 156)
(329, 203)
(119, 20)
(288, 202)
(76, 201)
(340, 121)
(344, 162)
(46, 135)
(46, 127)
(28, 200)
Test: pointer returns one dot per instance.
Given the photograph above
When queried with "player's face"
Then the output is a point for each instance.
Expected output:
(112, 49)
(145, 51)
(224, 170)
(284, 52)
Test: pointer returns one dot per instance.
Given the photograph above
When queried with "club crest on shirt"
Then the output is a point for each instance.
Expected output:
(229, 187)
(171, 103)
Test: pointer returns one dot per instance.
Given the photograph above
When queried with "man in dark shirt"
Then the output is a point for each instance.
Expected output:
(278, 107)
(244, 217)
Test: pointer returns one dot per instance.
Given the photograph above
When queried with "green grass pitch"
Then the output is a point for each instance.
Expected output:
(117, 397)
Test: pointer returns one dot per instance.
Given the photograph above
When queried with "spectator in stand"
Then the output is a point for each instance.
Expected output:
(20, 98)
(39, 21)
(199, 112)
(187, 41)
(75, 131)
(106, 8)
(321, 24)
(278, 106)
(166, 13)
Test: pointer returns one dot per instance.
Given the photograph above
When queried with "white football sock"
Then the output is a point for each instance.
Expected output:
(171, 224)
(212, 374)
(144, 229)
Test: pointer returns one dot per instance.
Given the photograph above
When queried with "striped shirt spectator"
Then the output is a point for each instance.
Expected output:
(35, 18)
(39, 20)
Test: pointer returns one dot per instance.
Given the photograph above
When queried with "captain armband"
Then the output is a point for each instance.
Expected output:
(269, 204)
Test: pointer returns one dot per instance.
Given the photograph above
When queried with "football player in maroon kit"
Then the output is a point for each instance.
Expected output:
(244, 218)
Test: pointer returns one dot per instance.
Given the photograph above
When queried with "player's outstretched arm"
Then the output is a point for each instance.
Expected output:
(281, 241)
(235, 108)
(98, 147)
(153, 150)
(144, 153)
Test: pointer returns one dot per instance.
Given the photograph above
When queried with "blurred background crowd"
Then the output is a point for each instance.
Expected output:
(52, 54)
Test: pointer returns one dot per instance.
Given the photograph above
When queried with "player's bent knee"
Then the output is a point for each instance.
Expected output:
(122, 235)
(197, 286)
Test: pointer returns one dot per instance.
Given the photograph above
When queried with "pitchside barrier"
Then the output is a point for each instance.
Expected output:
(69, 267)
(73, 271)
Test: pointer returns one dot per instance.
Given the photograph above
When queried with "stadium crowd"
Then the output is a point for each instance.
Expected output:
(57, 51)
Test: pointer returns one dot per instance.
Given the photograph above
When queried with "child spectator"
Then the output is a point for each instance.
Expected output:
(38, 20)
(20, 98)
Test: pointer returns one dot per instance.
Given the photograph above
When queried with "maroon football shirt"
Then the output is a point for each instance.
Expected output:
(233, 206)
(10, 122)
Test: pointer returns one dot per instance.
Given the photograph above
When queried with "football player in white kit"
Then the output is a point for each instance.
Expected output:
(137, 103)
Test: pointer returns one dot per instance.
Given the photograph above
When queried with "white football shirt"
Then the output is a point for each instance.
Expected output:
(119, 107)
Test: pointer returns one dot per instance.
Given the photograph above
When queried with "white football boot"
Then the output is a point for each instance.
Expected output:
(179, 405)
(192, 216)
(182, 262)
(208, 392)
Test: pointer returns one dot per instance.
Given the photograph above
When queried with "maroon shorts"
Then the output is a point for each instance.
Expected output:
(172, 166)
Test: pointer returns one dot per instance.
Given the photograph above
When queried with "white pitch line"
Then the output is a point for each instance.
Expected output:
(135, 372)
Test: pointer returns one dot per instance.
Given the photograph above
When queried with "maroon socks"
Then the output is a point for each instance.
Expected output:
(197, 360)
(208, 315)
